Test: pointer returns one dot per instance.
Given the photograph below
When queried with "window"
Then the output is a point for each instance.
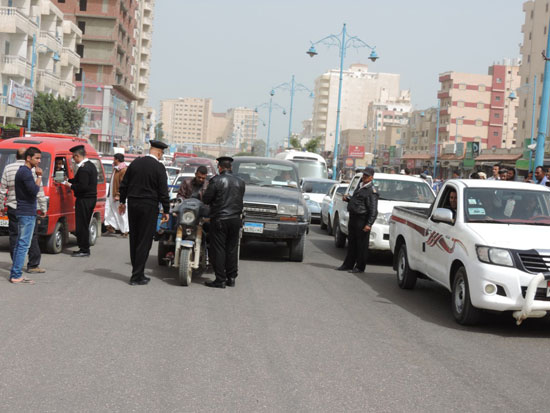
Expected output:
(530, 35)
(82, 26)
(497, 115)
(78, 76)
(499, 80)
(462, 86)
(479, 122)
(497, 98)
(481, 88)
(63, 1)
(80, 50)
(460, 104)
(544, 29)
(523, 124)
(480, 105)
(83, 5)
(459, 121)
(495, 133)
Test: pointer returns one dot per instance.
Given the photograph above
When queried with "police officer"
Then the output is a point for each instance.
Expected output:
(225, 194)
(144, 186)
(84, 186)
(362, 208)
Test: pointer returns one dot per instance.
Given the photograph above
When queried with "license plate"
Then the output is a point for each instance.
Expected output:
(253, 227)
(4, 222)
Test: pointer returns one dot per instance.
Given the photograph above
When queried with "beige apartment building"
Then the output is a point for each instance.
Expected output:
(244, 127)
(185, 120)
(476, 108)
(420, 133)
(55, 45)
(360, 88)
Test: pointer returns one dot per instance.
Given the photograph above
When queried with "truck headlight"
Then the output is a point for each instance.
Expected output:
(188, 217)
(383, 219)
(284, 209)
(497, 256)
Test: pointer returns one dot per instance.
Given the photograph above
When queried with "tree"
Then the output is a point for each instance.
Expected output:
(57, 115)
(313, 144)
(295, 142)
(159, 132)
(258, 147)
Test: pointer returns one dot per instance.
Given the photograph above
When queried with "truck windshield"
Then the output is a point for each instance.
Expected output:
(7, 156)
(265, 173)
(404, 191)
(311, 168)
(507, 206)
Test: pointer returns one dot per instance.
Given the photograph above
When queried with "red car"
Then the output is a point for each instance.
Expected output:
(54, 228)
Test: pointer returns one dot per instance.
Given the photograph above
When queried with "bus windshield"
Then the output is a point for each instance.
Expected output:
(311, 168)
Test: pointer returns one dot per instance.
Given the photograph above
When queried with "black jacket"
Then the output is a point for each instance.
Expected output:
(364, 202)
(84, 183)
(225, 194)
(146, 180)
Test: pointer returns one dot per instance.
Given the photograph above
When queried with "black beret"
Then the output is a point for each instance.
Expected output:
(158, 145)
(77, 148)
(368, 171)
(225, 158)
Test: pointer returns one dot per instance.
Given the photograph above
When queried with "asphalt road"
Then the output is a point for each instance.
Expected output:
(289, 337)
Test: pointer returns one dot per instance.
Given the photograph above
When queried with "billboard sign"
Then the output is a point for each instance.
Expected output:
(20, 96)
(355, 151)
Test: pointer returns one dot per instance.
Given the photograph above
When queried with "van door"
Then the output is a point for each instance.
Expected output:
(64, 205)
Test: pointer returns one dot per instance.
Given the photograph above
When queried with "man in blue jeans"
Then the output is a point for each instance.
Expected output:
(26, 191)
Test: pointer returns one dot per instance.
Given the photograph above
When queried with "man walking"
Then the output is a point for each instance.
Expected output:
(225, 194)
(26, 191)
(7, 193)
(362, 208)
(114, 220)
(144, 186)
(496, 173)
(84, 186)
(194, 187)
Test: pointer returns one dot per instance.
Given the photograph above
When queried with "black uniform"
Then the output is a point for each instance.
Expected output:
(362, 208)
(145, 185)
(225, 194)
(84, 186)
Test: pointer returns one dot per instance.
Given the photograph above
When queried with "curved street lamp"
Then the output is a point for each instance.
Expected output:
(269, 105)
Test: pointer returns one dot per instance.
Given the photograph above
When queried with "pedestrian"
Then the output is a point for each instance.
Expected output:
(144, 186)
(503, 173)
(362, 208)
(456, 174)
(84, 187)
(482, 175)
(408, 171)
(474, 175)
(27, 187)
(225, 194)
(7, 194)
(540, 176)
(114, 220)
(194, 187)
(511, 176)
(496, 175)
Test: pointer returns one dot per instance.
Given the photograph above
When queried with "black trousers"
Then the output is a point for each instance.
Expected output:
(224, 247)
(84, 209)
(142, 220)
(358, 243)
(34, 250)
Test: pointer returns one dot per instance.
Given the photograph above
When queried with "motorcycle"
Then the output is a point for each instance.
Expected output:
(182, 241)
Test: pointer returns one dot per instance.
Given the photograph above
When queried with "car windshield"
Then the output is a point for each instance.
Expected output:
(404, 191)
(310, 168)
(319, 187)
(7, 156)
(265, 173)
(108, 170)
(341, 190)
(172, 172)
(507, 206)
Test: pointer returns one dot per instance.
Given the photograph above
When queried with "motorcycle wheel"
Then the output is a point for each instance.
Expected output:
(184, 271)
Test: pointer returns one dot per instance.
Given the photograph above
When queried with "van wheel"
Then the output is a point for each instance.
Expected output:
(54, 243)
(463, 310)
(406, 278)
(339, 237)
(322, 224)
(329, 226)
(93, 231)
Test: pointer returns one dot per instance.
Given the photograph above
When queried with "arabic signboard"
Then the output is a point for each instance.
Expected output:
(20, 96)
(355, 151)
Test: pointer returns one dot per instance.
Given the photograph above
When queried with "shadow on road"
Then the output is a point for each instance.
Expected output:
(264, 251)
(107, 273)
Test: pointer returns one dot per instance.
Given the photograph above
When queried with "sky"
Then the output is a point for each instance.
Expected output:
(235, 51)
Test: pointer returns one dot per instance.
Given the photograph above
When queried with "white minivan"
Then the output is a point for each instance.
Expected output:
(310, 165)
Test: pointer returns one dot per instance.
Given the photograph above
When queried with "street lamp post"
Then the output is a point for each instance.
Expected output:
(513, 96)
(543, 119)
(436, 138)
(269, 105)
(343, 43)
(292, 87)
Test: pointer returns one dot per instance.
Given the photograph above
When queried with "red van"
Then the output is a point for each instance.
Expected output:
(54, 228)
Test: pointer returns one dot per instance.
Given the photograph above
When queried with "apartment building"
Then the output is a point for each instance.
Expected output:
(420, 132)
(477, 108)
(185, 120)
(243, 127)
(360, 88)
(108, 76)
(39, 27)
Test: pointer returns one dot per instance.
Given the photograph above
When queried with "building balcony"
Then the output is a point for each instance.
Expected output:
(143, 80)
(147, 5)
(144, 64)
(69, 58)
(147, 21)
(146, 34)
(145, 53)
(66, 89)
(13, 21)
(50, 41)
(16, 66)
(47, 80)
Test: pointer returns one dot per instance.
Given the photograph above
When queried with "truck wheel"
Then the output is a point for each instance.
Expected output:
(322, 224)
(54, 243)
(339, 237)
(296, 247)
(329, 226)
(463, 310)
(406, 278)
(161, 254)
(93, 231)
(185, 271)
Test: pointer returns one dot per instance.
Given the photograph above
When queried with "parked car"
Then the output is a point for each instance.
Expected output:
(175, 185)
(172, 173)
(393, 190)
(54, 228)
(274, 207)
(485, 241)
(328, 204)
(315, 190)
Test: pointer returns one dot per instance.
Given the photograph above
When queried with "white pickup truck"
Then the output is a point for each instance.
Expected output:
(485, 241)
(393, 190)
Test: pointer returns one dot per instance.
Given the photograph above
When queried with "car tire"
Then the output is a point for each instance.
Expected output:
(329, 226)
(339, 237)
(406, 278)
(296, 249)
(322, 224)
(94, 230)
(55, 242)
(463, 310)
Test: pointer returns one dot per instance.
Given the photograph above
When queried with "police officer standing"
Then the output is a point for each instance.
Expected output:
(225, 194)
(145, 185)
(84, 186)
(362, 208)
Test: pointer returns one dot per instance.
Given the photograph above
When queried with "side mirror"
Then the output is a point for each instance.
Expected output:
(443, 215)
(306, 197)
(329, 171)
(307, 187)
